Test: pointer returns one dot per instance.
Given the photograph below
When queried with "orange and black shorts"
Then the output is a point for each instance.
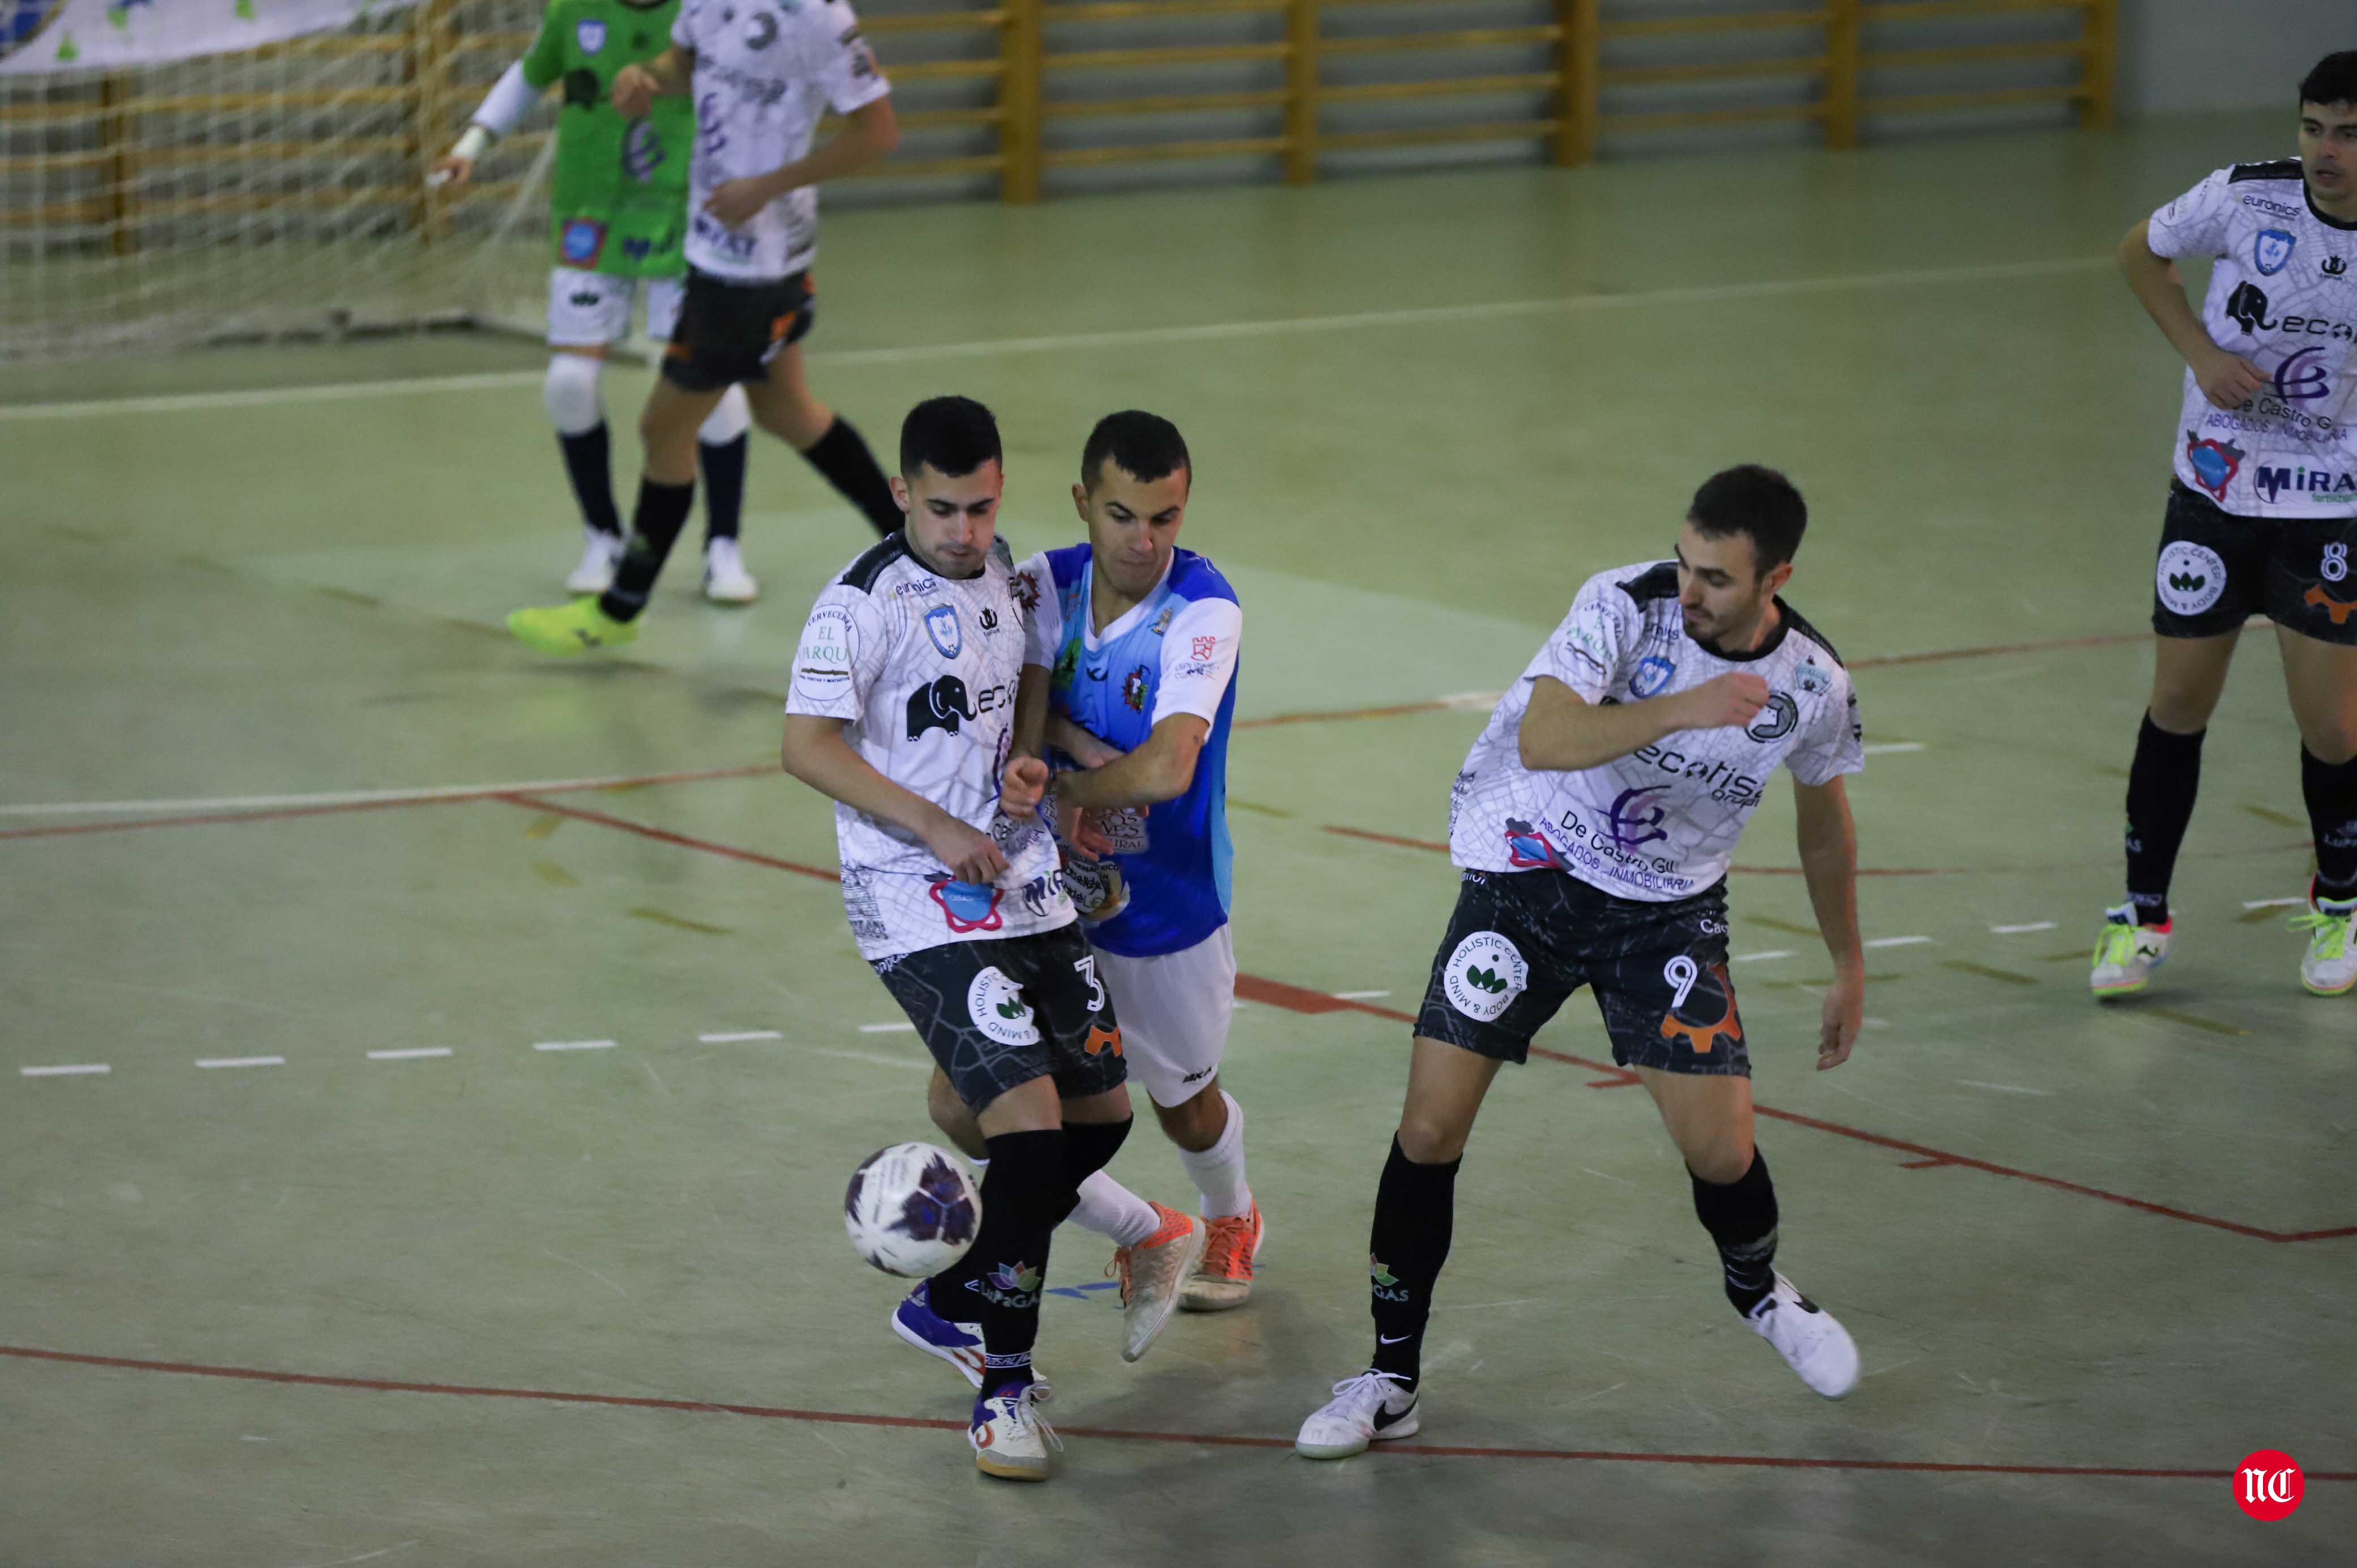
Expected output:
(728, 332)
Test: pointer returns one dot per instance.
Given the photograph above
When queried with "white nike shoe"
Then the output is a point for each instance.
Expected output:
(726, 581)
(1809, 1338)
(2127, 953)
(2329, 967)
(1374, 1407)
(601, 554)
(1010, 1437)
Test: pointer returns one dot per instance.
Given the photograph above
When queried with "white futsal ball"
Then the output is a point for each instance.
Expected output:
(912, 1209)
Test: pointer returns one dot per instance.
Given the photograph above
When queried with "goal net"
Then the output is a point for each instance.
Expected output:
(152, 203)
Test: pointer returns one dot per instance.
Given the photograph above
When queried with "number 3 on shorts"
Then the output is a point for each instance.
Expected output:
(1087, 968)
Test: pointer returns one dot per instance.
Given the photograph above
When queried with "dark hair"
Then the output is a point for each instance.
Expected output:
(1757, 501)
(1145, 445)
(2333, 80)
(954, 434)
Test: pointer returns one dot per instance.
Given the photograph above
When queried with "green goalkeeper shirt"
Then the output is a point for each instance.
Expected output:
(619, 201)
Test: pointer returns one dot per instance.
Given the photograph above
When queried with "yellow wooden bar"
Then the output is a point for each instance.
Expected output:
(1164, 103)
(1137, 10)
(1934, 10)
(1717, 71)
(1579, 59)
(1166, 152)
(1973, 54)
(930, 119)
(1730, 22)
(1686, 119)
(945, 70)
(1980, 98)
(1843, 53)
(1464, 38)
(91, 214)
(1437, 136)
(1301, 92)
(933, 168)
(1445, 87)
(2100, 75)
(932, 21)
(1018, 96)
(1189, 54)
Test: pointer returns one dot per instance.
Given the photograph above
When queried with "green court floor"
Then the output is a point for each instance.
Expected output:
(334, 1261)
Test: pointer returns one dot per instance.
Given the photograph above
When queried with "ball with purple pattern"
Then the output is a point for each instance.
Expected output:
(912, 1209)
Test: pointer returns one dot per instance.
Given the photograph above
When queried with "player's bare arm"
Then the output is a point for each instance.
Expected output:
(869, 133)
(1562, 732)
(814, 751)
(1828, 842)
(2228, 381)
(1078, 744)
(1161, 769)
(636, 87)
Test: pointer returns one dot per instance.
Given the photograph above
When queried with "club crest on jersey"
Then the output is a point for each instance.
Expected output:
(2214, 463)
(590, 34)
(2271, 250)
(1811, 679)
(1161, 622)
(1776, 721)
(1529, 848)
(1652, 673)
(941, 625)
(968, 906)
(1132, 689)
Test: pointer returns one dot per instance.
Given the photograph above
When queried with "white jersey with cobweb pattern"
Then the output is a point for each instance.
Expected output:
(1662, 822)
(2283, 295)
(925, 668)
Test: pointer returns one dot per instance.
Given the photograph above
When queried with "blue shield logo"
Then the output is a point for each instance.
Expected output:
(2271, 250)
(941, 625)
(590, 34)
(1652, 673)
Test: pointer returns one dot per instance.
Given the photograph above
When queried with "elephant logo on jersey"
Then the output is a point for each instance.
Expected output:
(941, 625)
(2214, 463)
(2247, 308)
(1529, 848)
(1781, 716)
(643, 151)
(941, 705)
(1690, 983)
(1484, 975)
(2191, 577)
(968, 906)
(1635, 819)
(2271, 250)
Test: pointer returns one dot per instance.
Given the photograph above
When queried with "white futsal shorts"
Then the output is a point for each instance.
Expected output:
(589, 309)
(1174, 1010)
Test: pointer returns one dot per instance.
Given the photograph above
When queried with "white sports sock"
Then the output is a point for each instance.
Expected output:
(1115, 1212)
(1219, 1171)
(727, 421)
(576, 403)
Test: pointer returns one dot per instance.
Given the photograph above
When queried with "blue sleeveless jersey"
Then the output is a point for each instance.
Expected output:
(1174, 861)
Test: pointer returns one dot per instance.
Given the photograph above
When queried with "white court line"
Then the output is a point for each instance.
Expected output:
(2017, 930)
(69, 1070)
(2004, 1088)
(1760, 957)
(241, 1061)
(887, 1028)
(740, 1036)
(872, 1057)
(329, 798)
(411, 1053)
(1883, 748)
(564, 1045)
(1500, 310)
(2271, 903)
(1360, 995)
(1472, 701)
(1897, 941)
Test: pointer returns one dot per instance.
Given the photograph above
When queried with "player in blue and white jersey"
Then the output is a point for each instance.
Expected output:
(2262, 515)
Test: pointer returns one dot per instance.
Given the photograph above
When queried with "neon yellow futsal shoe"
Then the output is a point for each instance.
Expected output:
(2330, 967)
(576, 627)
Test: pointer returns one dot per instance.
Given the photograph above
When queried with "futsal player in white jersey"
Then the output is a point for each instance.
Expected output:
(902, 711)
(1594, 823)
(2262, 514)
(762, 73)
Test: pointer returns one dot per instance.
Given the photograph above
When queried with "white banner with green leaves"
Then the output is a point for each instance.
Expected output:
(41, 37)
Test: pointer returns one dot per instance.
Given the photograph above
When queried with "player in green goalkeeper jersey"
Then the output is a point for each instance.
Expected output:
(617, 218)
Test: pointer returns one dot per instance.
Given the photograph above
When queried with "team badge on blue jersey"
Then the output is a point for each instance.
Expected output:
(1132, 689)
(580, 240)
(2271, 250)
(941, 625)
(590, 34)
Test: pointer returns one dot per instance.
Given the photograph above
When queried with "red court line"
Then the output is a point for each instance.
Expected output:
(664, 836)
(1114, 1433)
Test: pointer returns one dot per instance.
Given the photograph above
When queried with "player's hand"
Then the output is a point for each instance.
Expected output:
(1020, 786)
(634, 91)
(1087, 749)
(733, 202)
(1725, 702)
(2229, 380)
(971, 855)
(1845, 1016)
(1084, 831)
(451, 170)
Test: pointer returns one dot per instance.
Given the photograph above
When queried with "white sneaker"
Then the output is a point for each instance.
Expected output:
(1153, 1274)
(2330, 967)
(1808, 1337)
(726, 581)
(601, 554)
(1374, 1407)
(2127, 953)
(1010, 1437)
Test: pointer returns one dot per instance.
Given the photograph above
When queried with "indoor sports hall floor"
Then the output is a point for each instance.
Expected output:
(318, 1251)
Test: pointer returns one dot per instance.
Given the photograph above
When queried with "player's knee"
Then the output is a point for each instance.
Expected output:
(1432, 1138)
(572, 394)
(1721, 1160)
(2183, 706)
(951, 1115)
(1195, 1124)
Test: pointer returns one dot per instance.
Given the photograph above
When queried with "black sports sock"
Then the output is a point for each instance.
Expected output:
(1415, 1210)
(2331, 789)
(654, 528)
(588, 465)
(998, 1281)
(843, 459)
(722, 463)
(1089, 1147)
(1741, 1219)
(2162, 782)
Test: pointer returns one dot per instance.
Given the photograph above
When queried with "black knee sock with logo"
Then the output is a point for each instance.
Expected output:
(1089, 1147)
(2162, 782)
(654, 528)
(1025, 1193)
(722, 463)
(1415, 1210)
(2331, 789)
(842, 459)
(1741, 1216)
(588, 465)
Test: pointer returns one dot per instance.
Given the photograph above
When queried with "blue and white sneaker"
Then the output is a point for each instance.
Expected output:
(1010, 1437)
(959, 1343)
